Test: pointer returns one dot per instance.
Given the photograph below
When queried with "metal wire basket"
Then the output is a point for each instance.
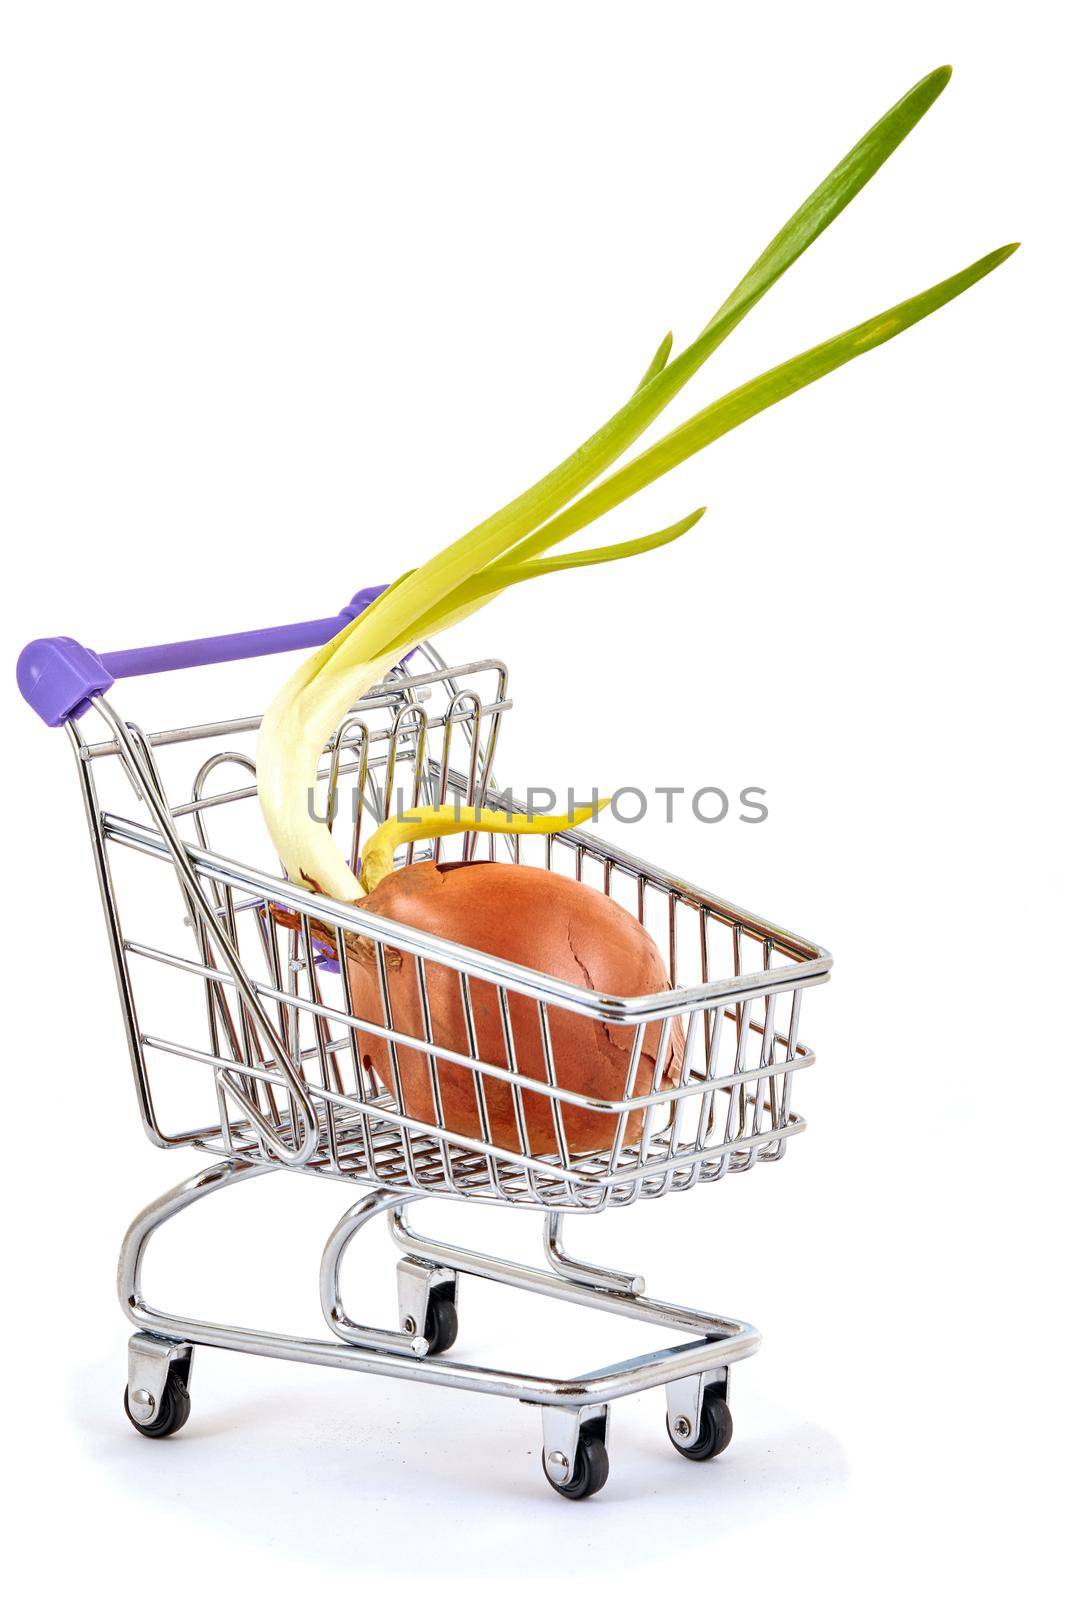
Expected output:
(246, 1041)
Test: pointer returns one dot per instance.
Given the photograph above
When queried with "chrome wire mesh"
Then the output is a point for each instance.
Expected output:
(239, 993)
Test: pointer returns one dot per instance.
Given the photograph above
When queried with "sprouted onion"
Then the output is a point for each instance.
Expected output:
(576, 933)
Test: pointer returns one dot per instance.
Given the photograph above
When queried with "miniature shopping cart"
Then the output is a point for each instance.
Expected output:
(245, 1040)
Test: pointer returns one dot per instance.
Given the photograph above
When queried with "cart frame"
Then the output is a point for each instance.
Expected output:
(289, 1120)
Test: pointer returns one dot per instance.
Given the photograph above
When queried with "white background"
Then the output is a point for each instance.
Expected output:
(293, 294)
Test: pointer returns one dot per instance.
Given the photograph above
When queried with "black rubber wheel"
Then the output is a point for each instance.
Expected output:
(590, 1471)
(442, 1322)
(171, 1414)
(716, 1430)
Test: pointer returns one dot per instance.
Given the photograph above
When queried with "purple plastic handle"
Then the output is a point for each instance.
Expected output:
(58, 676)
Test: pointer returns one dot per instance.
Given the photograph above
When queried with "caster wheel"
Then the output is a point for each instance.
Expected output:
(716, 1431)
(171, 1414)
(590, 1472)
(442, 1323)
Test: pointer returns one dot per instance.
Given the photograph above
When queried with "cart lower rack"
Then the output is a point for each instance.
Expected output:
(574, 1410)
(246, 1041)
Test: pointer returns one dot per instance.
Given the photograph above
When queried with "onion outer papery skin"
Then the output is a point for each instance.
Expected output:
(540, 920)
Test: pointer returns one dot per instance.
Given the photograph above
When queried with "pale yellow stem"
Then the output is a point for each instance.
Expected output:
(434, 822)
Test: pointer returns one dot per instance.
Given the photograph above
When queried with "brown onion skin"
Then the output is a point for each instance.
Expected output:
(538, 919)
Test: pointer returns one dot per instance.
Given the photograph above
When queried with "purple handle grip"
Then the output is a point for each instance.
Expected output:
(58, 676)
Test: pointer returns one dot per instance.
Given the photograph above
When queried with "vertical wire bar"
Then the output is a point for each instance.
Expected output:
(678, 1105)
(707, 1100)
(482, 768)
(246, 1049)
(416, 715)
(248, 1029)
(516, 1095)
(342, 740)
(394, 1062)
(323, 1039)
(416, 739)
(749, 1157)
(442, 773)
(683, 1082)
(631, 1078)
(632, 1067)
(768, 1028)
(460, 700)
(421, 783)
(791, 1051)
(776, 1151)
(292, 987)
(766, 1052)
(373, 797)
(432, 1069)
(558, 1126)
(225, 1128)
(738, 1028)
(359, 794)
(216, 1007)
(766, 1041)
(256, 1090)
(265, 926)
(705, 977)
(359, 1075)
(660, 1068)
(389, 775)
(479, 1085)
(231, 918)
(487, 756)
(735, 1119)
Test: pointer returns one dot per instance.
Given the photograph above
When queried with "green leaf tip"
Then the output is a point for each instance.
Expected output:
(728, 412)
(658, 362)
(927, 90)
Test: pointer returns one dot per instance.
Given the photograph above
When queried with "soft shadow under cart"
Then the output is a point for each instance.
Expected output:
(245, 1041)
